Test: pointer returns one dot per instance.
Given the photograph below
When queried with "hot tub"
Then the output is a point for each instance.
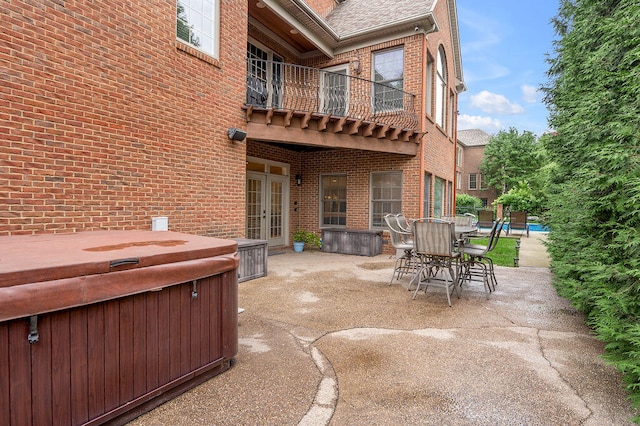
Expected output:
(102, 326)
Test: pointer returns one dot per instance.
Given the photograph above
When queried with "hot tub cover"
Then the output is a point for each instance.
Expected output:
(48, 272)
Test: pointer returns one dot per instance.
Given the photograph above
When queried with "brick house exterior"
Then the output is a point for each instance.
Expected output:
(113, 114)
(472, 143)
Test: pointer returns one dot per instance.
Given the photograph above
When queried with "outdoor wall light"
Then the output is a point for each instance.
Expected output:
(236, 134)
(356, 66)
(298, 179)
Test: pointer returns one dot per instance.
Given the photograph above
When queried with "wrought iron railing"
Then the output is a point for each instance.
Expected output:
(297, 88)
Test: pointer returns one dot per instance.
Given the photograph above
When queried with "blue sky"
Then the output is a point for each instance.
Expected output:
(504, 48)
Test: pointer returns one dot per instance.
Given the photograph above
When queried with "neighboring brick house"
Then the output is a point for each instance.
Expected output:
(115, 113)
(471, 144)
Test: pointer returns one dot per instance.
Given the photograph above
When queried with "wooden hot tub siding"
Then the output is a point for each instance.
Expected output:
(118, 358)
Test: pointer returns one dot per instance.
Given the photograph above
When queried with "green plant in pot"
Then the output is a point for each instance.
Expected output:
(300, 237)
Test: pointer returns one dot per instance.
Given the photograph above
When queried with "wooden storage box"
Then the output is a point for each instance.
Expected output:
(253, 258)
(352, 241)
(100, 327)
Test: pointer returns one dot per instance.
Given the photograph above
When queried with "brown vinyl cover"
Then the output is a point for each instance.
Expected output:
(49, 272)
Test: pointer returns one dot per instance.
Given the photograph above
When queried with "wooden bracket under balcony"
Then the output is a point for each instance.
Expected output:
(328, 131)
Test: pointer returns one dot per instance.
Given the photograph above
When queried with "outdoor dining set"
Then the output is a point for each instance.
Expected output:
(438, 252)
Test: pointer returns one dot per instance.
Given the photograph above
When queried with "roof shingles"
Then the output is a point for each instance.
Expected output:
(353, 16)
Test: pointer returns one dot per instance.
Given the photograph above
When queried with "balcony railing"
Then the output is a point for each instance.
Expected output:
(293, 87)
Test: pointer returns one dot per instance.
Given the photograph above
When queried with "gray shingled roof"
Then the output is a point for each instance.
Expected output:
(473, 137)
(353, 16)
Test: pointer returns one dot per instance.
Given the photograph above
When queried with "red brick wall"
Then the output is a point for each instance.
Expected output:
(439, 143)
(472, 158)
(106, 123)
(322, 7)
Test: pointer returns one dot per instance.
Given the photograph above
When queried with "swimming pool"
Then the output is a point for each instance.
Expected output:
(538, 227)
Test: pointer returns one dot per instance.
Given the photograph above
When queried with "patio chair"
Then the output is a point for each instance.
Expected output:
(435, 243)
(403, 223)
(477, 265)
(485, 219)
(406, 262)
(518, 222)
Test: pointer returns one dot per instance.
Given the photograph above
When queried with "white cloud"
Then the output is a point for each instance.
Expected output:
(529, 94)
(492, 103)
(488, 124)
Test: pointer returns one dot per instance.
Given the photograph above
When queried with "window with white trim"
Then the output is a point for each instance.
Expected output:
(388, 72)
(386, 196)
(441, 88)
(198, 24)
(333, 205)
(473, 181)
(429, 90)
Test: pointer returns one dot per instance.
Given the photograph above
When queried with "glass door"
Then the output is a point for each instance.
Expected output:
(266, 207)
(256, 209)
(334, 91)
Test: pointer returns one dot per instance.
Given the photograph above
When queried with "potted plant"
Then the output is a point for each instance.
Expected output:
(300, 237)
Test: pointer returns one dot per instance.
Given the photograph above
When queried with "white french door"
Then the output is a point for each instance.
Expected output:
(267, 201)
(334, 91)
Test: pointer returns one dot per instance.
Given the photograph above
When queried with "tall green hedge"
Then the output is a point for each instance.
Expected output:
(594, 192)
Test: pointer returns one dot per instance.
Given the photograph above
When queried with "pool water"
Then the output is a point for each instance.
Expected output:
(538, 227)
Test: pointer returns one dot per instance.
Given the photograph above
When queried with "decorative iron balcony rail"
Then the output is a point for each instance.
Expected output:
(293, 87)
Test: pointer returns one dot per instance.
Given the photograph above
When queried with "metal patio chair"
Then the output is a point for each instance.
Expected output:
(485, 219)
(518, 222)
(441, 254)
(406, 261)
(477, 266)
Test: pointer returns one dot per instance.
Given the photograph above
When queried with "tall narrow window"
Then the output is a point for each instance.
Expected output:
(429, 91)
(441, 88)
(438, 197)
(388, 70)
(427, 195)
(333, 206)
(386, 196)
(197, 24)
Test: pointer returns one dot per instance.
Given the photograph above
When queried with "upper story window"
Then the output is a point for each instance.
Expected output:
(459, 156)
(429, 89)
(441, 88)
(386, 196)
(388, 71)
(198, 24)
(473, 181)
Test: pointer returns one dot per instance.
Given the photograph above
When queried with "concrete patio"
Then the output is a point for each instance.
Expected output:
(325, 340)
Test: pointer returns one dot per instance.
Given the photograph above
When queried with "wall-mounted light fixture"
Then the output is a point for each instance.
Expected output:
(236, 134)
(298, 179)
(356, 66)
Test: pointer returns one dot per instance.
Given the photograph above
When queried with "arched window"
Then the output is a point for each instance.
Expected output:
(441, 88)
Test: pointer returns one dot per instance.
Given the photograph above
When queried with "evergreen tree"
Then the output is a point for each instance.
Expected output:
(594, 186)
